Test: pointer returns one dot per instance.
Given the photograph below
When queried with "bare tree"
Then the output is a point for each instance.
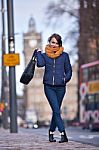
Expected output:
(65, 13)
(83, 19)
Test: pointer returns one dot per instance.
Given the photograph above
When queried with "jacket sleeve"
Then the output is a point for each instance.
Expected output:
(68, 69)
(40, 60)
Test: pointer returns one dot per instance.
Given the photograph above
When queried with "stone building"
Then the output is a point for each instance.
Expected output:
(88, 43)
(33, 92)
(70, 104)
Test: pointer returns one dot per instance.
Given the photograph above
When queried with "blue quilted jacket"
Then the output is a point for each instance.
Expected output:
(58, 71)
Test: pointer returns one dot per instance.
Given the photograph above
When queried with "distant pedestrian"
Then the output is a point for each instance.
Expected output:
(57, 73)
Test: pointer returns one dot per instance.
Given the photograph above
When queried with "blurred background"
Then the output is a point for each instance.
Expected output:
(78, 24)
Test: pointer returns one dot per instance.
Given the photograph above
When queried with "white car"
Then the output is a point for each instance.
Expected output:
(30, 124)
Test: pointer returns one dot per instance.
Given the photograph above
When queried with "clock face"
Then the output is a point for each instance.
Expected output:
(32, 43)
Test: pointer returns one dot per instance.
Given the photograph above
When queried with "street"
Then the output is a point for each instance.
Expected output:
(73, 133)
(37, 139)
(84, 136)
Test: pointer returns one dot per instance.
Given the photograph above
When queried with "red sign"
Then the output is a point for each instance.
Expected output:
(2, 107)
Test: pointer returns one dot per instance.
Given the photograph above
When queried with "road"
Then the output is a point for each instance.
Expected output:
(74, 134)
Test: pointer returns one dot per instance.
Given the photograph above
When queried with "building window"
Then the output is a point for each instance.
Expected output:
(94, 3)
(85, 75)
(85, 4)
(91, 102)
(97, 100)
(91, 73)
(97, 72)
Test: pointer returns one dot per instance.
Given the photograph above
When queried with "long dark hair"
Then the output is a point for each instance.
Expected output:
(57, 37)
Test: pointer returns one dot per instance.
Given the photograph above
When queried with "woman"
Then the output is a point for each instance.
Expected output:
(57, 73)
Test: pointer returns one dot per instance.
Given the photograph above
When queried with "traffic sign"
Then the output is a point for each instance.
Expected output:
(11, 59)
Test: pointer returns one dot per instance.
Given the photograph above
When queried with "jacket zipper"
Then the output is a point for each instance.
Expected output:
(64, 77)
(54, 72)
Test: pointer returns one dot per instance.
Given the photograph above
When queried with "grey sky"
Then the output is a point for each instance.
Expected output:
(23, 10)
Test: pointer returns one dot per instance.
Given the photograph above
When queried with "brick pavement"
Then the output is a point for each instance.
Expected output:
(30, 141)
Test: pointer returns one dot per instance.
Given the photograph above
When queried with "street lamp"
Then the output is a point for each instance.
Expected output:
(4, 98)
(12, 77)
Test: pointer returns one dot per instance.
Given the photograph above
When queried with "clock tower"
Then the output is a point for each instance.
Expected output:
(31, 40)
(33, 92)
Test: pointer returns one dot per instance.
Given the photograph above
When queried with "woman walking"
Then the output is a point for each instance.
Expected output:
(57, 73)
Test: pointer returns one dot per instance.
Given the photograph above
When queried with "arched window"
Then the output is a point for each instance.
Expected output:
(94, 3)
(85, 3)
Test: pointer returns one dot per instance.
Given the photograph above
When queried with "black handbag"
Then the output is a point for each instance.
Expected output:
(28, 73)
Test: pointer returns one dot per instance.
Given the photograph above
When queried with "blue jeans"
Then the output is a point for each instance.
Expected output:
(55, 96)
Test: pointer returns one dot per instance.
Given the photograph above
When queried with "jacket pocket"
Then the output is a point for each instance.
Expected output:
(59, 79)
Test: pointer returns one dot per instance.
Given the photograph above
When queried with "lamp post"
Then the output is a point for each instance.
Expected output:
(12, 76)
(4, 99)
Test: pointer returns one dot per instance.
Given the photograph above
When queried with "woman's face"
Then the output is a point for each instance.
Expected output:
(54, 43)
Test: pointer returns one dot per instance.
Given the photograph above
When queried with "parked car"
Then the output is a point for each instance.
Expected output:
(29, 124)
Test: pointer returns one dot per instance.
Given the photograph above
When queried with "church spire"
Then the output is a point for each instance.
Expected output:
(32, 25)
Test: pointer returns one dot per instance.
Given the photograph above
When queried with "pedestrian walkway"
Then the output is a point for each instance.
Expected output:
(30, 141)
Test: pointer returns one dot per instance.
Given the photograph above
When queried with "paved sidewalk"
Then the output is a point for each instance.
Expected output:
(30, 141)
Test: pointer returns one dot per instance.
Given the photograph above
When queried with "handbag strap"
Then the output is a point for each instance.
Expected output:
(34, 54)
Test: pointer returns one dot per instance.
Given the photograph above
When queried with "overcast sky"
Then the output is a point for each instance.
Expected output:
(23, 10)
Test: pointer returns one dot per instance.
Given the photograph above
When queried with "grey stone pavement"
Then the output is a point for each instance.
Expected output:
(30, 141)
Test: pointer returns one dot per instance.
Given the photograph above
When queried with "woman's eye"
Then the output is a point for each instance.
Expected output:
(54, 42)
